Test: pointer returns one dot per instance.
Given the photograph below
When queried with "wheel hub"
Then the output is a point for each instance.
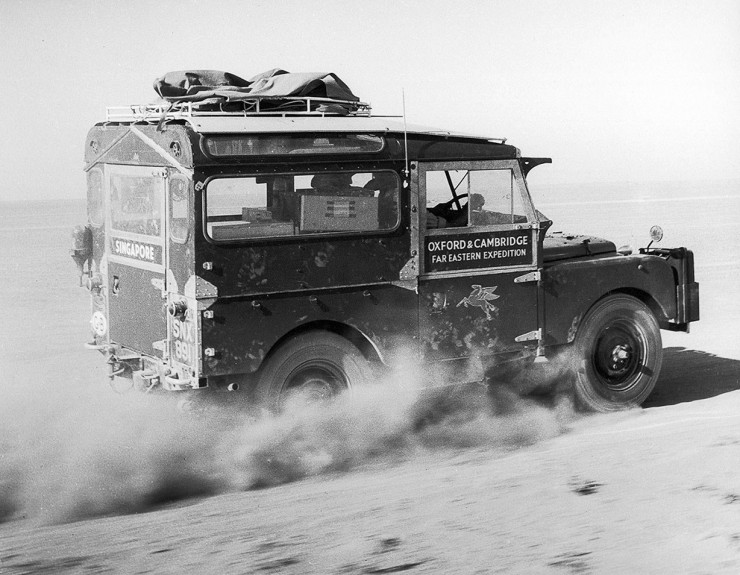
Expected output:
(314, 389)
(617, 358)
(315, 383)
(620, 357)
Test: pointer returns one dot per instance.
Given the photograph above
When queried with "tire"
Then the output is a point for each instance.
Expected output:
(316, 366)
(618, 353)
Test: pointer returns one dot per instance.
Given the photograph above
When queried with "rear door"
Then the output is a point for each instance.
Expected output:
(479, 251)
(136, 257)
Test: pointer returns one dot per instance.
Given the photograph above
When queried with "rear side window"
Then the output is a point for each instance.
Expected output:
(291, 144)
(304, 204)
(95, 202)
(179, 208)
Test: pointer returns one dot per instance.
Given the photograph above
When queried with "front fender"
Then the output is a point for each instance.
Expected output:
(572, 287)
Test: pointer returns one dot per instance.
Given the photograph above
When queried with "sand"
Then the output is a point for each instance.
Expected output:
(93, 482)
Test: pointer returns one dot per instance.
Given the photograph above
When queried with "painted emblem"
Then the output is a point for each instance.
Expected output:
(481, 297)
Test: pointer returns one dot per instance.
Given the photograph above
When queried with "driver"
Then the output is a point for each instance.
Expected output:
(444, 216)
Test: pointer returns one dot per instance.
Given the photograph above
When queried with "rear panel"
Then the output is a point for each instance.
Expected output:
(136, 257)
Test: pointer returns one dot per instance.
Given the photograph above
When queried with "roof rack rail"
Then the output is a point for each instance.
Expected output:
(249, 106)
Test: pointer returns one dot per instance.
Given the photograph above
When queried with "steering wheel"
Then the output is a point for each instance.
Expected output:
(453, 200)
(444, 209)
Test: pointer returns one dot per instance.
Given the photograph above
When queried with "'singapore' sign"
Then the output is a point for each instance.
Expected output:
(479, 250)
(136, 250)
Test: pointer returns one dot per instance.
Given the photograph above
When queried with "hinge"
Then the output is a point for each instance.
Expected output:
(204, 288)
(408, 276)
(410, 271)
(530, 335)
(530, 277)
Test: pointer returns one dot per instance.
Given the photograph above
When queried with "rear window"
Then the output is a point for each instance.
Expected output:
(136, 204)
(179, 208)
(248, 207)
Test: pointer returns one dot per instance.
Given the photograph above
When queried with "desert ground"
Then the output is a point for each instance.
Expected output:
(92, 481)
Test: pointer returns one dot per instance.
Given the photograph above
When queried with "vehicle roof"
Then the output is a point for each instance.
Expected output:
(267, 120)
(266, 124)
(422, 142)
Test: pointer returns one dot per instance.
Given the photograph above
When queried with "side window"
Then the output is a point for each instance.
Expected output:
(441, 184)
(95, 205)
(315, 203)
(461, 198)
(179, 208)
(495, 198)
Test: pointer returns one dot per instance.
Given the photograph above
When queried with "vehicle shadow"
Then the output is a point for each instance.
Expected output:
(690, 375)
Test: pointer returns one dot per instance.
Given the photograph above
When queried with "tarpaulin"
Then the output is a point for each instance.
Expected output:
(200, 85)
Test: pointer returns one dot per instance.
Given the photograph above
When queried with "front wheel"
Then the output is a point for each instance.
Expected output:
(618, 353)
(312, 367)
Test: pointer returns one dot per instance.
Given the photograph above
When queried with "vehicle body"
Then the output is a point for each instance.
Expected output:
(277, 251)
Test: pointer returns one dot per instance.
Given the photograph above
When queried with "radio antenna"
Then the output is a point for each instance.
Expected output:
(405, 134)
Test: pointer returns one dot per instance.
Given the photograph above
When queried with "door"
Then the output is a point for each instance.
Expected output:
(136, 257)
(479, 249)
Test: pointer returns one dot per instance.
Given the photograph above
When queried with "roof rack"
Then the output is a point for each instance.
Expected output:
(249, 106)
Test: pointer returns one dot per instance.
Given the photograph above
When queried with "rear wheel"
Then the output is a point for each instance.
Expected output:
(619, 354)
(312, 367)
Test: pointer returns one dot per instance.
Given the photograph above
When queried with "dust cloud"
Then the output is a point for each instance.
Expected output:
(97, 453)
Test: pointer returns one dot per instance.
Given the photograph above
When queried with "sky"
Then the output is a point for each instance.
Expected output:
(615, 90)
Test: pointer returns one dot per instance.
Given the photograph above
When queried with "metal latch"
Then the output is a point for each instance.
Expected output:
(530, 277)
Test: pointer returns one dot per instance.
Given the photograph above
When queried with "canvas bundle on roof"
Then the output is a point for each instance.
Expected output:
(272, 90)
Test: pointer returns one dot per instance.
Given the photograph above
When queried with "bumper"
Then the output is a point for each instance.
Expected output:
(148, 372)
(681, 261)
(687, 300)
